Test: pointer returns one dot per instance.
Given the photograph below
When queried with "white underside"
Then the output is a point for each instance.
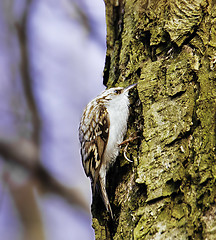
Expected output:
(118, 114)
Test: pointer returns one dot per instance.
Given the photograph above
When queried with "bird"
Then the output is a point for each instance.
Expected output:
(102, 128)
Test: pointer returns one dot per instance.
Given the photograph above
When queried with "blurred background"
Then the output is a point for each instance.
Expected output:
(52, 55)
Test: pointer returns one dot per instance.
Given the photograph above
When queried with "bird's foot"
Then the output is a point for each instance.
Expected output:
(127, 141)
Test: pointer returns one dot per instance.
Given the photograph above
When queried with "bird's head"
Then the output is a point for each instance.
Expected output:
(117, 93)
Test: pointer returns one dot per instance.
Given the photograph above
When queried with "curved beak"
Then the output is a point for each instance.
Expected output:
(130, 87)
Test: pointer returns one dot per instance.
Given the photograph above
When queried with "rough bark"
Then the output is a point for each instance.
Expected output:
(169, 47)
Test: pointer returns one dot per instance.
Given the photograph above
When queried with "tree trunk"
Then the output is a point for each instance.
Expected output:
(169, 48)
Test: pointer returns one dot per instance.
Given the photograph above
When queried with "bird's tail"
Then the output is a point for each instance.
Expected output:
(105, 196)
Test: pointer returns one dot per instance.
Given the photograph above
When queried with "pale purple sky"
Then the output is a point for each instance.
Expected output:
(67, 62)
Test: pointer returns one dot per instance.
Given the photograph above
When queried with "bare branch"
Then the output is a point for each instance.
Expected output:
(26, 154)
(26, 204)
(27, 81)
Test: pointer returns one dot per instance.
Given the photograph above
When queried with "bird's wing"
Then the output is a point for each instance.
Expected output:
(93, 140)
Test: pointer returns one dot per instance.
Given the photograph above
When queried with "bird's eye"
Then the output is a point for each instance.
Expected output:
(117, 91)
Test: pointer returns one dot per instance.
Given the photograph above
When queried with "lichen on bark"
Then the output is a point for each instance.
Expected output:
(169, 48)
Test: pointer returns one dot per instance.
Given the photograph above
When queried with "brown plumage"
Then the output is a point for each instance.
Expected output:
(102, 128)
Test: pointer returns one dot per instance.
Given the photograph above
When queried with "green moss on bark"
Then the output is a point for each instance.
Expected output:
(169, 47)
